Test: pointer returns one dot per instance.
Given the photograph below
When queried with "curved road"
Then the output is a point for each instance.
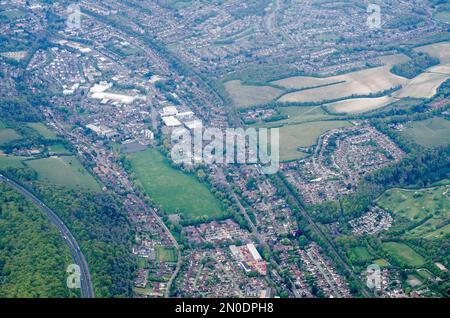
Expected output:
(87, 290)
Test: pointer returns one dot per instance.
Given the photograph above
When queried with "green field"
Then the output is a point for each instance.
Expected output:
(249, 95)
(403, 254)
(7, 135)
(298, 115)
(418, 205)
(65, 171)
(381, 262)
(303, 135)
(431, 132)
(165, 254)
(173, 190)
(10, 162)
(42, 130)
(360, 253)
(58, 149)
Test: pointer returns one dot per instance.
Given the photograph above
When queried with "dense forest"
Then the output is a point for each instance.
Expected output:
(100, 228)
(34, 256)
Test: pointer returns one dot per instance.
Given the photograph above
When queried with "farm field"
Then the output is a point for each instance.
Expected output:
(363, 82)
(64, 171)
(417, 206)
(403, 254)
(424, 85)
(359, 105)
(303, 135)
(175, 191)
(359, 83)
(249, 95)
(302, 82)
(42, 130)
(431, 132)
(7, 135)
(440, 50)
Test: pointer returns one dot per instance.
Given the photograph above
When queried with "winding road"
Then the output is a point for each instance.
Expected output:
(87, 290)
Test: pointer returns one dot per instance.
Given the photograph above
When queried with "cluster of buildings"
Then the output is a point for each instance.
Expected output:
(327, 279)
(249, 258)
(216, 232)
(214, 273)
(372, 222)
(343, 156)
(220, 37)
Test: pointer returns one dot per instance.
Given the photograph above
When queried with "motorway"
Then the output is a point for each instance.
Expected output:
(87, 290)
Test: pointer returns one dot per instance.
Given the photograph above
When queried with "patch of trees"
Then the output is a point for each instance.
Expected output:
(33, 257)
(419, 62)
(100, 226)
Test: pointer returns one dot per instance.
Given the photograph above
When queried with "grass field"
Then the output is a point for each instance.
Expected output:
(58, 149)
(431, 132)
(42, 130)
(381, 262)
(359, 105)
(360, 253)
(173, 190)
(64, 171)
(417, 205)
(303, 135)
(249, 95)
(298, 115)
(403, 253)
(10, 162)
(7, 135)
(165, 254)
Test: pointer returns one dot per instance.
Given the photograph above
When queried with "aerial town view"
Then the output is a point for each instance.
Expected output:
(192, 149)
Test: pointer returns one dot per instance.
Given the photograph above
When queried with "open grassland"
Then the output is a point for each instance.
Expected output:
(429, 208)
(249, 95)
(360, 253)
(65, 171)
(10, 162)
(359, 105)
(431, 132)
(42, 130)
(298, 115)
(7, 135)
(58, 149)
(173, 190)
(403, 254)
(303, 135)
